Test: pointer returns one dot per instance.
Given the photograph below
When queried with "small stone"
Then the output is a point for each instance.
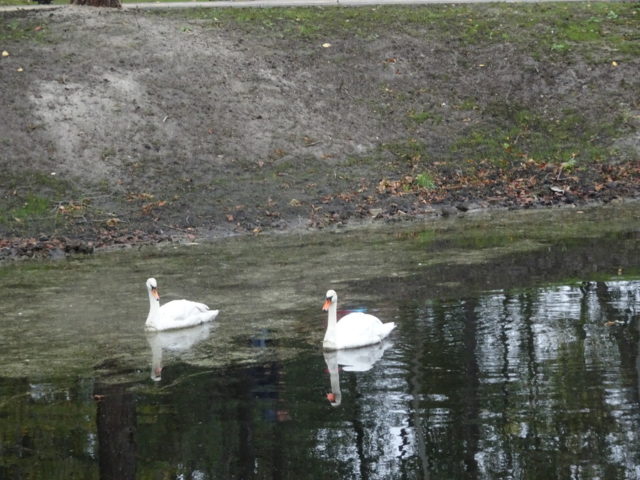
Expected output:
(448, 210)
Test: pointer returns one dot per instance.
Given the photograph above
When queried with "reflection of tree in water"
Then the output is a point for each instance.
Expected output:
(617, 306)
(48, 429)
(471, 423)
(222, 423)
(260, 387)
(534, 381)
(116, 425)
(215, 426)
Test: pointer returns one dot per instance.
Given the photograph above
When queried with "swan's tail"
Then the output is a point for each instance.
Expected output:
(208, 315)
(387, 327)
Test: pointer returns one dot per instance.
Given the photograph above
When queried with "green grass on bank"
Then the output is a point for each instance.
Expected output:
(597, 30)
(34, 197)
(602, 33)
(545, 28)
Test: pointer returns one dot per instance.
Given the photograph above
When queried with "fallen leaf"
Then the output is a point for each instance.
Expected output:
(20, 69)
(326, 45)
(5, 53)
(139, 196)
(146, 209)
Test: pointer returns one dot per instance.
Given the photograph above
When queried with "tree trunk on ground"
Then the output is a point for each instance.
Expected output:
(98, 3)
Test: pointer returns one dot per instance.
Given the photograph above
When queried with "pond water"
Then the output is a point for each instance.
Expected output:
(516, 355)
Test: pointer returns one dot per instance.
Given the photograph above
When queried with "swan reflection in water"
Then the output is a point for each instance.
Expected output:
(351, 360)
(173, 341)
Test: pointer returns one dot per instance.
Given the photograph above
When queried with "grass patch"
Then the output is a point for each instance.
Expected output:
(411, 152)
(34, 206)
(590, 28)
(320, 23)
(29, 200)
(17, 29)
(594, 28)
(421, 117)
(468, 104)
(425, 180)
(525, 134)
(49, 185)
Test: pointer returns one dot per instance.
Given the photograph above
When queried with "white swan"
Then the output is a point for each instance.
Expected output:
(352, 360)
(175, 314)
(354, 330)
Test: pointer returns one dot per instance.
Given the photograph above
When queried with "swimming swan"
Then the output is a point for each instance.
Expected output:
(354, 330)
(175, 314)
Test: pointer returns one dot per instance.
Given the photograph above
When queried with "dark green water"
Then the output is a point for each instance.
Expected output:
(516, 356)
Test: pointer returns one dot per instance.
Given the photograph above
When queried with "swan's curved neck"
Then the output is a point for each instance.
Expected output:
(154, 306)
(330, 335)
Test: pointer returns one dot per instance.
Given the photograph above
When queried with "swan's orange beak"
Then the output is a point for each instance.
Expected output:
(327, 304)
(331, 397)
(154, 292)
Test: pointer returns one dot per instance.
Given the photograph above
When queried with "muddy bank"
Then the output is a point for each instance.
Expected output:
(126, 127)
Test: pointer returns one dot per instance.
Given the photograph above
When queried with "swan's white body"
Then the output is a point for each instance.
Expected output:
(353, 360)
(175, 314)
(354, 330)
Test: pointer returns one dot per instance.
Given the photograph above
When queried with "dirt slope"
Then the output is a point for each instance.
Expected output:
(124, 126)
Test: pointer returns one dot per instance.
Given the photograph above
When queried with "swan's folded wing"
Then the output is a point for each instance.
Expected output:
(182, 310)
(359, 329)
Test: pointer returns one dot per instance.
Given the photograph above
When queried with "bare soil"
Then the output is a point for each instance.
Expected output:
(124, 126)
